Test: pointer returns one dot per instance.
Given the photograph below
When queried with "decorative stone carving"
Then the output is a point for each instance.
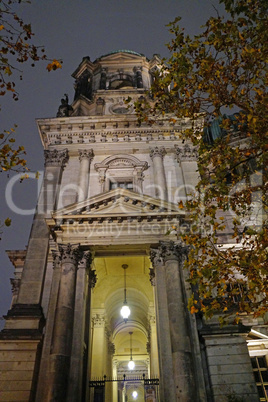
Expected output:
(56, 258)
(103, 79)
(111, 348)
(186, 153)
(152, 276)
(54, 157)
(70, 253)
(92, 278)
(168, 250)
(15, 286)
(86, 154)
(98, 321)
(158, 151)
(64, 109)
(148, 347)
(121, 162)
(152, 319)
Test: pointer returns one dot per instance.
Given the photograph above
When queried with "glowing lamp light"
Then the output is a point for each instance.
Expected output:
(125, 312)
(134, 394)
(131, 365)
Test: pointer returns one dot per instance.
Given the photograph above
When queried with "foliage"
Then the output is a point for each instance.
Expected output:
(16, 48)
(223, 68)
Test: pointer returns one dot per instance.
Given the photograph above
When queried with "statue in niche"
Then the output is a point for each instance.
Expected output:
(83, 86)
(65, 109)
(103, 80)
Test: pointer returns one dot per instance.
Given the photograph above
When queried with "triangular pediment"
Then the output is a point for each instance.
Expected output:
(119, 202)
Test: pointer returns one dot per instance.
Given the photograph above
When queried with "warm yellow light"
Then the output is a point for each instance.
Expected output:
(131, 365)
(125, 311)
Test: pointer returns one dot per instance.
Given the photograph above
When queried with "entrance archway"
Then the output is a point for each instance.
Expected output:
(110, 342)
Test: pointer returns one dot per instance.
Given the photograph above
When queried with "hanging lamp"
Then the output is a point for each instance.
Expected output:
(125, 310)
(131, 364)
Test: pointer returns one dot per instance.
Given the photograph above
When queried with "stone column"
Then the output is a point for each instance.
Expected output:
(61, 344)
(167, 387)
(85, 157)
(169, 257)
(157, 155)
(78, 379)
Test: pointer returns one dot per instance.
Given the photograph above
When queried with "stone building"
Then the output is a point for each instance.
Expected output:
(98, 242)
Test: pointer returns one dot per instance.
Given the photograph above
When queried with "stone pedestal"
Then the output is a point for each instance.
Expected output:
(229, 367)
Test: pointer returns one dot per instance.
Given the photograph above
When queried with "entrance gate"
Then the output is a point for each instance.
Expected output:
(147, 389)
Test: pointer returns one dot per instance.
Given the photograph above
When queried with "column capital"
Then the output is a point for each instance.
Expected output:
(70, 253)
(186, 153)
(53, 157)
(158, 151)
(98, 321)
(86, 154)
(168, 250)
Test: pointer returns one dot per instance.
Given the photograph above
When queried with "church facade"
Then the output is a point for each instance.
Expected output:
(99, 242)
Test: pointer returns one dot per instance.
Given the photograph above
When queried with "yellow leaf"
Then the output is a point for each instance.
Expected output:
(54, 65)
(1, 27)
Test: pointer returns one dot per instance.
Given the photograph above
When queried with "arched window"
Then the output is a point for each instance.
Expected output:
(123, 171)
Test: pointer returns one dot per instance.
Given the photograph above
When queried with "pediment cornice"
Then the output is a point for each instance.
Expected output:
(119, 203)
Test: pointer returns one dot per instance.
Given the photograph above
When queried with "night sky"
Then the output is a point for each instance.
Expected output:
(70, 30)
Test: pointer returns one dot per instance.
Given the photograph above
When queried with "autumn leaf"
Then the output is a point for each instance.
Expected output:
(54, 65)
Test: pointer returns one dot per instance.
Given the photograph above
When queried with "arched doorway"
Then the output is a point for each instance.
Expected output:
(110, 352)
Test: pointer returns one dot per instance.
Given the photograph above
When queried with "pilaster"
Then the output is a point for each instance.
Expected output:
(157, 154)
(85, 158)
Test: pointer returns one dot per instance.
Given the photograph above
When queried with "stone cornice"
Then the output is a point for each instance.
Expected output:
(111, 128)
